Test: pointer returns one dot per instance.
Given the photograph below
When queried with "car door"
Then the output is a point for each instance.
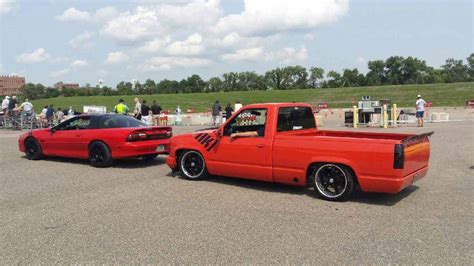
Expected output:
(65, 139)
(244, 157)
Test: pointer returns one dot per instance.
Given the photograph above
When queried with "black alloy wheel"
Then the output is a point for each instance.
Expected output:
(333, 182)
(192, 165)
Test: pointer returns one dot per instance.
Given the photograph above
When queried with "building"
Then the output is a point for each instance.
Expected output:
(11, 85)
(60, 85)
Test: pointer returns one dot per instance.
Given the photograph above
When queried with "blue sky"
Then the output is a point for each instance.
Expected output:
(83, 41)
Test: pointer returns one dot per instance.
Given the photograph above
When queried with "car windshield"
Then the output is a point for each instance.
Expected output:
(119, 121)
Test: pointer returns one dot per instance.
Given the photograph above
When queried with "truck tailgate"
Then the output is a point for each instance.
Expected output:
(413, 153)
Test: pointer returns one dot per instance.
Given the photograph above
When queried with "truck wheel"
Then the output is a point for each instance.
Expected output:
(192, 165)
(333, 182)
(33, 149)
(99, 155)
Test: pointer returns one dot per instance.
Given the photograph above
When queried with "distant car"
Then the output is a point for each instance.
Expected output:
(98, 138)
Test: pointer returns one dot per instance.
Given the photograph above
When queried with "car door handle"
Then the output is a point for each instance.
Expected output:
(260, 146)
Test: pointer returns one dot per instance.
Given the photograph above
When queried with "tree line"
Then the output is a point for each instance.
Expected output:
(395, 70)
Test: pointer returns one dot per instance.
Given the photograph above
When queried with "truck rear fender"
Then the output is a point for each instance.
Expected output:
(341, 161)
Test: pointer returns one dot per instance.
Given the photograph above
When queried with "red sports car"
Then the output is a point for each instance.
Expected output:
(99, 138)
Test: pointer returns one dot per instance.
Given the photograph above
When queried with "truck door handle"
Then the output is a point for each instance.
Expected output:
(260, 146)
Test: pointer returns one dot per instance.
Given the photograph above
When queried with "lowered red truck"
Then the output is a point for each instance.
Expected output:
(281, 143)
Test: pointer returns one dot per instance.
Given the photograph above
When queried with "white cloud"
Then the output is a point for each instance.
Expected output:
(6, 6)
(73, 15)
(76, 64)
(288, 55)
(59, 73)
(37, 56)
(147, 22)
(191, 46)
(83, 40)
(261, 18)
(166, 63)
(105, 13)
(116, 57)
(155, 45)
(247, 54)
(308, 37)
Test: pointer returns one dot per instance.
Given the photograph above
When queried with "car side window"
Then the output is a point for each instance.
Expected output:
(77, 123)
(246, 121)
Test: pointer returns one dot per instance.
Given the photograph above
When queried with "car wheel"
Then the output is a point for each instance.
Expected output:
(149, 157)
(99, 155)
(192, 165)
(333, 182)
(33, 149)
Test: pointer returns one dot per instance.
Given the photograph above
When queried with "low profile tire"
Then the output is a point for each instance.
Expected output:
(99, 155)
(333, 182)
(149, 157)
(33, 149)
(192, 166)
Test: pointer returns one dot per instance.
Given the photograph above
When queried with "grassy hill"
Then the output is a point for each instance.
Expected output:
(444, 95)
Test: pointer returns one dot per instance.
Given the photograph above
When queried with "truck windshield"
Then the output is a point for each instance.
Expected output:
(295, 118)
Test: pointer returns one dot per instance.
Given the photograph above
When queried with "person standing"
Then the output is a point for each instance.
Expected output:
(138, 109)
(155, 111)
(50, 114)
(5, 104)
(420, 110)
(121, 108)
(237, 106)
(178, 113)
(12, 104)
(216, 112)
(26, 107)
(145, 112)
(59, 115)
(228, 111)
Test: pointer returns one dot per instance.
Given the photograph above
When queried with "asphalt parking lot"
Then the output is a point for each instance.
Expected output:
(64, 211)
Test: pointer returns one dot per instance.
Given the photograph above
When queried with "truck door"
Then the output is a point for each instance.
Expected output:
(245, 157)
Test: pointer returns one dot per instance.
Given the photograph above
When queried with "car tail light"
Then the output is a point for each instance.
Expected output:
(137, 136)
(399, 156)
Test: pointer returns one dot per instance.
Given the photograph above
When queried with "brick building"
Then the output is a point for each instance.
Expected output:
(60, 85)
(11, 85)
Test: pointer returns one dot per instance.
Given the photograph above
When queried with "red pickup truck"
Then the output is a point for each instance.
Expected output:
(280, 142)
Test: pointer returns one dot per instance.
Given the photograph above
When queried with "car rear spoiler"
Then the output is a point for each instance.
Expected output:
(412, 140)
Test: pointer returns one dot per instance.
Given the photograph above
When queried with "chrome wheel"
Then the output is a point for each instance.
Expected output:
(192, 165)
(331, 181)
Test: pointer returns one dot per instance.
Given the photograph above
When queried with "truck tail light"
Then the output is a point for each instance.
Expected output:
(399, 156)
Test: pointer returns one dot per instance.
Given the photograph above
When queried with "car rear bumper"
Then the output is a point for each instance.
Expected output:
(390, 185)
(140, 148)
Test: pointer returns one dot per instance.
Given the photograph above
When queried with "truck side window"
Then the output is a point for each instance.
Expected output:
(248, 120)
(295, 118)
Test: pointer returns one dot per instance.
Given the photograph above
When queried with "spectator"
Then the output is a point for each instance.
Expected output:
(216, 111)
(12, 104)
(420, 110)
(59, 115)
(178, 115)
(5, 104)
(26, 107)
(228, 111)
(155, 111)
(138, 109)
(237, 106)
(145, 113)
(121, 108)
(50, 114)
(71, 112)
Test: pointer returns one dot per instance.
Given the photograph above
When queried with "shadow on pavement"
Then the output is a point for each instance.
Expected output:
(124, 163)
(358, 196)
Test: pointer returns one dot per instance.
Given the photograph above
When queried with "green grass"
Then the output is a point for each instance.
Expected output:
(444, 95)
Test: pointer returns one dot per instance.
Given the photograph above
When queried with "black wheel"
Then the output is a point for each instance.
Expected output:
(333, 182)
(33, 149)
(192, 165)
(149, 157)
(99, 155)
